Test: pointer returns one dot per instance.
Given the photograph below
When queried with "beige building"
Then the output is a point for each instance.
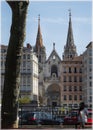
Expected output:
(87, 74)
(71, 74)
(72, 81)
(29, 72)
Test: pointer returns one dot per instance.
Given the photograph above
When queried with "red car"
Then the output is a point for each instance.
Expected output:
(71, 118)
(89, 119)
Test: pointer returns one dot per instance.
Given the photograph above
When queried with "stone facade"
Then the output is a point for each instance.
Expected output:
(87, 74)
(28, 70)
(60, 81)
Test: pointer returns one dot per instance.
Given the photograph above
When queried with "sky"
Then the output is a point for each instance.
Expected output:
(54, 18)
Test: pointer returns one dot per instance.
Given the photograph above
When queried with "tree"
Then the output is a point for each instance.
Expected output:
(24, 100)
(10, 97)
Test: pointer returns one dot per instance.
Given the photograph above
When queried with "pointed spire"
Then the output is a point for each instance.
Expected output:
(38, 19)
(53, 46)
(69, 14)
(39, 41)
(70, 39)
(70, 48)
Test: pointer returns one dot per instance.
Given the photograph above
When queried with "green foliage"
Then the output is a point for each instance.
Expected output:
(24, 100)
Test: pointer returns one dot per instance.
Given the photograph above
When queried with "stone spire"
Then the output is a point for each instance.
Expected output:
(39, 48)
(70, 39)
(70, 48)
(39, 41)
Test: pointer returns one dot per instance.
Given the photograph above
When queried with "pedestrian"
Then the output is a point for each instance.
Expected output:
(82, 115)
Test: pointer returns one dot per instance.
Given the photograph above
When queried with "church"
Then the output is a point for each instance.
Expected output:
(60, 81)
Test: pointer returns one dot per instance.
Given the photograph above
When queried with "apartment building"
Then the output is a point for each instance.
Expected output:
(28, 72)
(87, 74)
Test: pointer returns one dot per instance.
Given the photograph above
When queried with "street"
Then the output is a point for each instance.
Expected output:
(51, 127)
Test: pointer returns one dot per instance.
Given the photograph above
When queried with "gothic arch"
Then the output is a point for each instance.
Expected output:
(54, 70)
(53, 95)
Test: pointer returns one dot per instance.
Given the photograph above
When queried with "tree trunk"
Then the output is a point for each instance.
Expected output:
(10, 97)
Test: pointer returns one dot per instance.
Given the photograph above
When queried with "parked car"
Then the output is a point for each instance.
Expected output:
(60, 119)
(71, 118)
(36, 118)
(89, 118)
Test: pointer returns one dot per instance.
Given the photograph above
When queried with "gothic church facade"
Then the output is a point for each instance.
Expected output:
(60, 81)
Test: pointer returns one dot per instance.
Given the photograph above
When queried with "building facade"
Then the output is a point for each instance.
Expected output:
(28, 72)
(61, 80)
(87, 74)
(71, 72)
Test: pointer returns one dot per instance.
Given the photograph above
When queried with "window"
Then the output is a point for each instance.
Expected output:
(90, 99)
(75, 88)
(70, 88)
(64, 69)
(90, 60)
(90, 69)
(90, 77)
(90, 52)
(64, 78)
(24, 56)
(75, 70)
(70, 97)
(64, 105)
(75, 79)
(54, 70)
(75, 97)
(65, 88)
(80, 97)
(24, 64)
(65, 98)
(70, 105)
(80, 88)
(80, 71)
(1, 63)
(70, 80)
(28, 56)
(69, 69)
(90, 83)
(3, 50)
(80, 79)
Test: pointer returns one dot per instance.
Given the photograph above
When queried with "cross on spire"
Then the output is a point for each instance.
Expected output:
(69, 12)
(39, 19)
(53, 46)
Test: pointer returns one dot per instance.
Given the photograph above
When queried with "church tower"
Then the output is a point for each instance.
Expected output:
(71, 74)
(39, 47)
(70, 48)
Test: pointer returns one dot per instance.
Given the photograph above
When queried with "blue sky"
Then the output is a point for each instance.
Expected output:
(54, 18)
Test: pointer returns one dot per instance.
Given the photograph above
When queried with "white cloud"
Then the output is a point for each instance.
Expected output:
(82, 20)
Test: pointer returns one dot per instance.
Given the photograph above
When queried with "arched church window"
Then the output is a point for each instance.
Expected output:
(54, 70)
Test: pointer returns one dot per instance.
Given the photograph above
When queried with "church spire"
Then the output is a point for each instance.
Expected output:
(70, 39)
(39, 41)
(70, 48)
